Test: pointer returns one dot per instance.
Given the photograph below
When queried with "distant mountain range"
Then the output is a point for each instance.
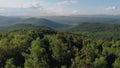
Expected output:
(69, 20)
(6, 21)
(42, 22)
(12, 22)
(75, 20)
(70, 23)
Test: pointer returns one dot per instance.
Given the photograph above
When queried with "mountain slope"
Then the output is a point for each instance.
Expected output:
(42, 22)
(95, 27)
(6, 21)
(22, 26)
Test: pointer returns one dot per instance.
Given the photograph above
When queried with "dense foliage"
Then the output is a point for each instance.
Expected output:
(46, 48)
(97, 30)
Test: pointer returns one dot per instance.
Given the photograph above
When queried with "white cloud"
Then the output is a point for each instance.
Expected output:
(66, 2)
(34, 5)
(54, 11)
(19, 4)
(17, 9)
(37, 8)
(50, 12)
(113, 8)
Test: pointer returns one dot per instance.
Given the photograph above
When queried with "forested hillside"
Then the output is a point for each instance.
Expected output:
(40, 47)
(94, 27)
(97, 30)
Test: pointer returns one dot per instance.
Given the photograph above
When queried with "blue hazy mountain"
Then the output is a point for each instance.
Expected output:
(42, 22)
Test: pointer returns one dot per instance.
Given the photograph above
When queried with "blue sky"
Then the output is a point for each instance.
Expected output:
(59, 7)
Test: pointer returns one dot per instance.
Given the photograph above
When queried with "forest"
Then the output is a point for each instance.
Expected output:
(44, 47)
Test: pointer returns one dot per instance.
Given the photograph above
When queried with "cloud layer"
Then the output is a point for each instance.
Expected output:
(113, 8)
(22, 5)
(66, 2)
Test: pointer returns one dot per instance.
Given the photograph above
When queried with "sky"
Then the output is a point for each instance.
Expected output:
(59, 7)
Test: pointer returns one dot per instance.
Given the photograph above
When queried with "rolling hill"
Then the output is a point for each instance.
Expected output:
(63, 22)
(6, 21)
(58, 21)
(21, 26)
(42, 22)
(16, 23)
(75, 20)
(96, 27)
(97, 30)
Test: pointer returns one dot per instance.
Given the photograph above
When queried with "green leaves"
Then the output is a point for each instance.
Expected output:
(100, 62)
(10, 63)
(37, 57)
